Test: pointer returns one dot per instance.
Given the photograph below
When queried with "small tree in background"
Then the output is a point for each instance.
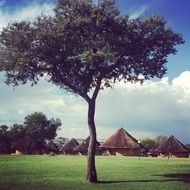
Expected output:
(160, 139)
(3, 130)
(16, 131)
(85, 48)
(36, 126)
(148, 143)
(40, 128)
(4, 133)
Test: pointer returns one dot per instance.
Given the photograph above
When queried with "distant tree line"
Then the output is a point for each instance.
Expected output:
(150, 143)
(36, 128)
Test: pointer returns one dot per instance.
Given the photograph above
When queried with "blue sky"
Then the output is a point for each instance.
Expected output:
(157, 107)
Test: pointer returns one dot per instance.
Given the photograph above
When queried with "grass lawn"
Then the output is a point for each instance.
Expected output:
(117, 173)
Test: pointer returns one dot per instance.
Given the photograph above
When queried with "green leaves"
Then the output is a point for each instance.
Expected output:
(39, 127)
(86, 46)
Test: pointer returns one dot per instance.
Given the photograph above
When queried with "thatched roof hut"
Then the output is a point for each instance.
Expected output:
(153, 152)
(173, 147)
(123, 143)
(27, 145)
(83, 147)
(188, 146)
(69, 146)
(51, 147)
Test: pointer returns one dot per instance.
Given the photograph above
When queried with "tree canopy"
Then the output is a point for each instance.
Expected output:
(85, 46)
(16, 131)
(4, 133)
(36, 126)
(3, 129)
(149, 142)
(160, 139)
(40, 128)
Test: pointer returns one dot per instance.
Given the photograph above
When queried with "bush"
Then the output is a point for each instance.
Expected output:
(52, 154)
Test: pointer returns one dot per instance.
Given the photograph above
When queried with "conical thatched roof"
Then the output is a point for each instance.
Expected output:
(188, 146)
(172, 145)
(69, 146)
(83, 147)
(122, 139)
(153, 150)
(51, 146)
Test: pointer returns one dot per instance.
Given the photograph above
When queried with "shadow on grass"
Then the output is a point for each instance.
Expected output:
(125, 181)
(183, 177)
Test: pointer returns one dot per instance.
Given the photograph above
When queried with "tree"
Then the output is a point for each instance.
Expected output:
(16, 131)
(5, 144)
(3, 129)
(85, 48)
(148, 143)
(4, 133)
(160, 139)
(36, 129)
(40, 128)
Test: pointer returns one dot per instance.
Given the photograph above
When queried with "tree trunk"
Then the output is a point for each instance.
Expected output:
(91, 168)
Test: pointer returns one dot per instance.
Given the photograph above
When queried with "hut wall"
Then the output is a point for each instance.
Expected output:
(174, 154)
(124, 152)
(100, 152)
(181, 155)
(69, 152)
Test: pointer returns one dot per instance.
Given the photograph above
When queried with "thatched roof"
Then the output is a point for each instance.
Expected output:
(51, 146)
(69, 146)
(188, 146)
(83, 147)
(122, 139)
(153, 150)
(172, 145)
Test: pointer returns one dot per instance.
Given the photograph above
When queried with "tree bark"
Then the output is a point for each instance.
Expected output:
(91, 168)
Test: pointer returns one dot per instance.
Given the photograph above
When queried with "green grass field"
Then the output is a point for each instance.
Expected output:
(68, 172)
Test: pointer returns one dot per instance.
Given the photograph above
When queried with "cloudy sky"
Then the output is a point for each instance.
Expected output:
(157, 107)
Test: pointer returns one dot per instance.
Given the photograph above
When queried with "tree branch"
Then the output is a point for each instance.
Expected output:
(94, 96)
(70, 86)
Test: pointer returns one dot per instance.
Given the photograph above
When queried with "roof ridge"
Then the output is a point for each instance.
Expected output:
(165, 144)
(121, 139)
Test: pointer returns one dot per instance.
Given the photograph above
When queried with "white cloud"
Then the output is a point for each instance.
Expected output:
(157, 107)
(28, 12)
(139, 12)
(26, 99)
(182, 83)
(153, 108)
